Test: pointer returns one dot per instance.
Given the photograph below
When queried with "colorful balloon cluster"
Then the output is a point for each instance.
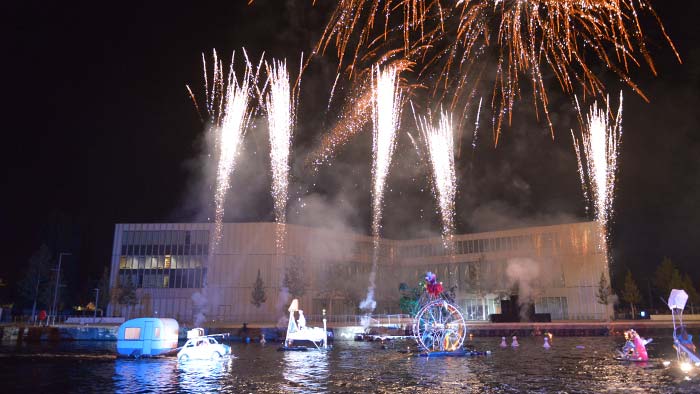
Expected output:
(433, 287)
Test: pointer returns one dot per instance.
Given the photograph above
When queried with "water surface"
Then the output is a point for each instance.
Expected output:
(572, 365)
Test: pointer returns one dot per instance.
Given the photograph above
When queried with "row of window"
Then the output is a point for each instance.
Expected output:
(192, 278)
(367, 249)
(479, 308)
(519, 242)
(557, 307)
(164, 262)
(142, 250)
(491, 275)
(165, 242)
(134, 333)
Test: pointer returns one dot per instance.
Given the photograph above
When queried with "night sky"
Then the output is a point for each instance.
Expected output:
(99, 129)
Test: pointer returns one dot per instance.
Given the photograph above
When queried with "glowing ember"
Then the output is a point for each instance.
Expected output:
(449, 41)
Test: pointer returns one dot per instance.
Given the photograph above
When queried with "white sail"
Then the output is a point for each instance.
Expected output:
(677, 299)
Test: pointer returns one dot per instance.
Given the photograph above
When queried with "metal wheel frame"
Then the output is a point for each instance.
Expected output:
(439, 326)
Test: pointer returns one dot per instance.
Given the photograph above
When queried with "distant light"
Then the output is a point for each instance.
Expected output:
(685, 367)
(666, 363)
(643, 313)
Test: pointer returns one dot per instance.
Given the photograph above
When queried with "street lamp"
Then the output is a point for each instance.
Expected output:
(55, 290)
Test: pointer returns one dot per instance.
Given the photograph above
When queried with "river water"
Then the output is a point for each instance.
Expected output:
(572, 365)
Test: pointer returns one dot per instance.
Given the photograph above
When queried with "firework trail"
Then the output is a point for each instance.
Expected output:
(280, 108)
(227, 102)
(475, 137)
(601, 136)
(356, 112)
(439, 143)
(386, 116)
(450, 40)
(330, 98)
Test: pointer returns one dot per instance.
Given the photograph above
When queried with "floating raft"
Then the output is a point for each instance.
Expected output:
(456, 353)
(292, 349)
(63, 355)
(631, 360)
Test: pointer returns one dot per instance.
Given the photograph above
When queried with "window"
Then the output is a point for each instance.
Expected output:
(132, 333)
(156, 333)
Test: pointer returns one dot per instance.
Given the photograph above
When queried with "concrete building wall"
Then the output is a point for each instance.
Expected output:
(557, 267)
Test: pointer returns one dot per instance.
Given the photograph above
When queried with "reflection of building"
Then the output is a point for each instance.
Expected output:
(556, 266)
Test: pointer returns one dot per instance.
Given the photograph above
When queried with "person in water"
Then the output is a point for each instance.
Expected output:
(301, 322)
(243, 331)
(635, 347)
(686, 339)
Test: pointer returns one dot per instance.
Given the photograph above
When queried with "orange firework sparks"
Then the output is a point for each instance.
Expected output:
(448, 39)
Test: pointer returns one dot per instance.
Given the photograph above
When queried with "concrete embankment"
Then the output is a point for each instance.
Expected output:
(22, 333)
(19, 333)
(560, 328)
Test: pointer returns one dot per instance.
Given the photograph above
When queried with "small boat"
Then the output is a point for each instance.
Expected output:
(455, 353)
(147, 337)
(634, 348)
(292, 349)
(686, 352)
(297, 331)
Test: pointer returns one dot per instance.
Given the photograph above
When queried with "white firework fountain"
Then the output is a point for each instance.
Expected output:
(386, 116)
(227, 103)
(439, 141)
(598, 147)
(280, 108)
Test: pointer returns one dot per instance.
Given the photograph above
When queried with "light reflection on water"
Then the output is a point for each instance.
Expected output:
(305, 372)
(351, 368)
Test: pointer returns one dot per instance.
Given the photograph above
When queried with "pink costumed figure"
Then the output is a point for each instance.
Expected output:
(433, 287)
(639, 347)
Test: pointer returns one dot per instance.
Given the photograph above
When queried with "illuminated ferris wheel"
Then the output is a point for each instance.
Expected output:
(439, 325)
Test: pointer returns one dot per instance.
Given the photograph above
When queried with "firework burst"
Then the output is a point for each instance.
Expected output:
(227, 102)
(449, 40)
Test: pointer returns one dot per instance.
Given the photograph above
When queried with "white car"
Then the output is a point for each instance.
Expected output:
(203, 348)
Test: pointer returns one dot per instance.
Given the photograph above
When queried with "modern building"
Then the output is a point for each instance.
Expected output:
(176, 271)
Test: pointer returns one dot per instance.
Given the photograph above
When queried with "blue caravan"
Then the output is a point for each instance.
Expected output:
(147, 336)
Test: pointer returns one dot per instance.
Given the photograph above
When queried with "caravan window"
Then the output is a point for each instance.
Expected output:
(132, 333)
(156, 333)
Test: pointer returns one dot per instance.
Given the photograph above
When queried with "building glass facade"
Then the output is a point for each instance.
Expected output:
(171, 264)
(164, 258)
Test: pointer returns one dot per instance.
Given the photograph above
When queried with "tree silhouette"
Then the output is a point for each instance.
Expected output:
(604, 292)
(103, 285)
(666, 277)
(692, 292)
(294, 279)
(258, 294)
(34, 286)
(127, 295)
(630, 292)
